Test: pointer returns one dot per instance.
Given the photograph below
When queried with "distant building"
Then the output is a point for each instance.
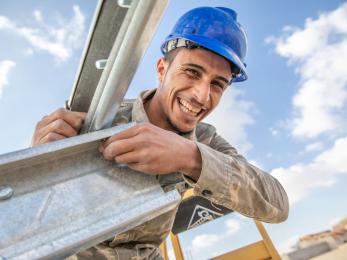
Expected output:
(319, 243)
(341, 228)
(330, 237)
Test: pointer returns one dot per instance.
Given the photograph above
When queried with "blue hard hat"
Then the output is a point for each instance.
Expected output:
(215, 29)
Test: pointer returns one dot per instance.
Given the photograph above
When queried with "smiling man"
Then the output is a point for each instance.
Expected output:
(203, 55)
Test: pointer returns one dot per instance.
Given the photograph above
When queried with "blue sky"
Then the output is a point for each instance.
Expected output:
(288, 118)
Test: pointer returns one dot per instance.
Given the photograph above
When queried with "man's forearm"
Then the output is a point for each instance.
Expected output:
(229, 180)
(191, 161)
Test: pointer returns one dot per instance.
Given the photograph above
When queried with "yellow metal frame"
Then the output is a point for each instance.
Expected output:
(263, 249)
(163, 249)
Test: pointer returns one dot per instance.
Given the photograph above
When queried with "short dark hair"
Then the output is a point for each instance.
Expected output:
(170, 56)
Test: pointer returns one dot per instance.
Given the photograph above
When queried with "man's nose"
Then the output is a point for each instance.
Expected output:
(203, 93)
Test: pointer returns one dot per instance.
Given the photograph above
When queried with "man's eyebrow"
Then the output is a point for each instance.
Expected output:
(196, 66)
(204, 70)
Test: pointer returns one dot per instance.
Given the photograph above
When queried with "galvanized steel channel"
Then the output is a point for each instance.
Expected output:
(67, 197)
(133, 38)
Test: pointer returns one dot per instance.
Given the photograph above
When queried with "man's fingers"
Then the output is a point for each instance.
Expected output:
(60, 127)
(127, 158)
(50, 137)
(63, 122)
(125, 134)
(75, 119)
(130, 132)
(117, 148)
(133, 161)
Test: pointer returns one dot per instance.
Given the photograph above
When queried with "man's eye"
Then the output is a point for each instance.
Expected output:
(218, 85)
(192, 72)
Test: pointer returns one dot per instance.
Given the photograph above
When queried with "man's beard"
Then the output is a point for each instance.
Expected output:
(175, 127)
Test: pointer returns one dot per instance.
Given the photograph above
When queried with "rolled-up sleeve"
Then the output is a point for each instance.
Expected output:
(228, 179)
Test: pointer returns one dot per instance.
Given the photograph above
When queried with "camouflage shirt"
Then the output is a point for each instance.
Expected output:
(226, 179)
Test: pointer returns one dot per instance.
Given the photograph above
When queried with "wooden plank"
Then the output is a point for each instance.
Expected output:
(255, 251)
(267, 241)
(188, 193)
(176, 247)
(163, 248)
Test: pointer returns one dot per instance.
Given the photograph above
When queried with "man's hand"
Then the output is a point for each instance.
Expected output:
(150, 149)
(60, 124)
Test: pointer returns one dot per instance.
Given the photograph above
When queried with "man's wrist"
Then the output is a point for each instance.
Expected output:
(192, 161)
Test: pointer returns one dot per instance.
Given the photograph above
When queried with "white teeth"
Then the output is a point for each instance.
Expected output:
(188, 108)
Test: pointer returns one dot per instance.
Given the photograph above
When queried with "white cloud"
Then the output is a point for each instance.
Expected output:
(233, 226)
(232, 116)
(314, 147)
(59, 41)
(28, 52)
(335, 157)
(300, 179)
(288, 245)
(38, 15)
(274, 131)
(205, 240)
(5, 23)
(319, 52)
(5, 67)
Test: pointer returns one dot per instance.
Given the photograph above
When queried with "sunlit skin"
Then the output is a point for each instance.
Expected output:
(189, 89)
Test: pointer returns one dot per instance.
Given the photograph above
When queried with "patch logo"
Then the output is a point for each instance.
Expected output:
(202, 215)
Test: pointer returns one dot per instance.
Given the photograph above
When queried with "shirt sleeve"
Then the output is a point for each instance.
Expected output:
(228, 179)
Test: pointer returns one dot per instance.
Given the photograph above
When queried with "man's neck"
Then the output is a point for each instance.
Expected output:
(155, 115)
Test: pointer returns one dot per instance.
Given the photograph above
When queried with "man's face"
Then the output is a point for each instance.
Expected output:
(191, 87)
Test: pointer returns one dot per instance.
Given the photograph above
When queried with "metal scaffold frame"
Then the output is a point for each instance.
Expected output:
(59, 198)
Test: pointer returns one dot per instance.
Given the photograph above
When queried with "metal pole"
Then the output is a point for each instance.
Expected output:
(107, 22)
(123, 63)
(109, 65)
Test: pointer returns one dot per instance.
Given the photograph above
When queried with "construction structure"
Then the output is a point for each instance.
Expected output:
(71, 198)
(327, 244)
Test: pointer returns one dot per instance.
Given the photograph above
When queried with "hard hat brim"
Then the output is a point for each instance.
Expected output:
(218, 48)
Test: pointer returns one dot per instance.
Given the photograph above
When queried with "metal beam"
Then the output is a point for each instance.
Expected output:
(107, 21)
(67, 197)
(133, 39)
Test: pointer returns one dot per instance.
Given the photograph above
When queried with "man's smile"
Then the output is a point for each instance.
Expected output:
(189, 108)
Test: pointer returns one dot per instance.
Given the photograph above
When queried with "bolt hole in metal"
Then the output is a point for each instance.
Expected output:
(5, 193)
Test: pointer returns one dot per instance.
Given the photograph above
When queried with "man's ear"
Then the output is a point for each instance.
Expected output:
(162, 66)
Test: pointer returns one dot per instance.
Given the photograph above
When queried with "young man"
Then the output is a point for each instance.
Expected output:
(203, 55)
